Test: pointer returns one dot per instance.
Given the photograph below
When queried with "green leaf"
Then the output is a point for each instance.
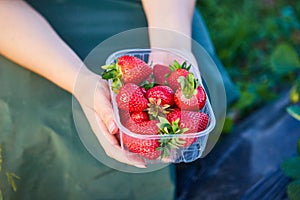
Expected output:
(184, 130)
(264, 90)
(228, 124)
(284, 59)
(1, 196)
(294, 111)
(176, 65)
(181, 81)
(116, 85)
(163, 120)
(111, 66)
(148, 85)
(165, 152)
(14, 175)
(180, 142)
(173, 146)
(189, 67)
(11, 180)
(109, 74)
(291, 167)
(246, 100)
(293, 190)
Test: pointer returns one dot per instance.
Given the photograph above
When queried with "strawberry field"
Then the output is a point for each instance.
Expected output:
(259, 44)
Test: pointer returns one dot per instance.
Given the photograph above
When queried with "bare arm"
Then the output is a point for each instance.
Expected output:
(174, 15)
(27, 39)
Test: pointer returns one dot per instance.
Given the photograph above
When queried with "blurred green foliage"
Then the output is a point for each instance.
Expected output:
(258, 43)
(291, 168)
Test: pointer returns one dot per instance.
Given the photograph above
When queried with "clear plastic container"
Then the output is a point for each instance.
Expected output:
(176, 155)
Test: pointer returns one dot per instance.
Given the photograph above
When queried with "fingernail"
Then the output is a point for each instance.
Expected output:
(112, 127)
(140, 166)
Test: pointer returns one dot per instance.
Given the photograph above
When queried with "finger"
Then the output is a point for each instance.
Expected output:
(113, 149)
(117, 153)
(109, 142)
(104, 110)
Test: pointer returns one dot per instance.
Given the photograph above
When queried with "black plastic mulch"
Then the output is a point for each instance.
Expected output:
(246, 163)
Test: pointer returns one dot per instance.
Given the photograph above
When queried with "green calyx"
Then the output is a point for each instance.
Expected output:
(147, 85)
(114, 73)
(155, 109)
(176, 66)
(189, 85)
(165, 127)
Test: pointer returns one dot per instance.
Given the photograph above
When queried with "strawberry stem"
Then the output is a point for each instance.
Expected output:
(155, 109)
(147, 85)
(176, 66)
(165, 127)
(189, 85)
(113, 72)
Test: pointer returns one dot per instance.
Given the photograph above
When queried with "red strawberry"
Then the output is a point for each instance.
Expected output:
(144, 127)
(124, 116)
(177, 71)
(139, 116)
(144, 147)
(174, 115)
(128, 69)
(192, 121)
(195, 122)
(160, 73)
(131, 97)
(190, 96)
(164, 93)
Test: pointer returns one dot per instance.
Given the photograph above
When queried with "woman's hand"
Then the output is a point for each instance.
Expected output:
(92, 92)
(167, 59)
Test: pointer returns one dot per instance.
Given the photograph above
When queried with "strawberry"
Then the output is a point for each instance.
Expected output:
(164, 93)
(177, 71)
(192, 121)
(127, 69)
(145, 147)
(124, 116)
(160, 99)
(161, 72)
(139, 116)
(174, 115)
(190, 95)
(195, 122)
(144, 127)
(131, 98)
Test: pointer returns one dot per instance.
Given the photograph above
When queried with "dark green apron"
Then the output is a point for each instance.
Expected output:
(37, 133)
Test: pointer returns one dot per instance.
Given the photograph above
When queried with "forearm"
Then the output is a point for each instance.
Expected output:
(174, 15)
(27, 39)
